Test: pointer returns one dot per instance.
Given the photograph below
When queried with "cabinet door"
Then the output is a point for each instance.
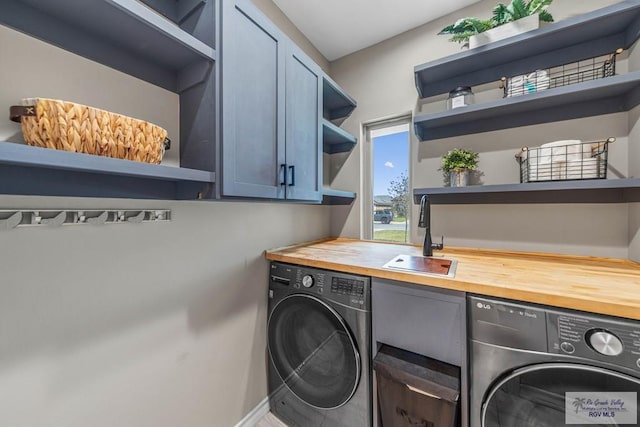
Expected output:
(432, 321)
(303, 130)
(253, 94)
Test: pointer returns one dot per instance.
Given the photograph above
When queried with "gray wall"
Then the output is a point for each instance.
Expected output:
(380, 78)
(634, 164)
(634, 170)
(132, 325)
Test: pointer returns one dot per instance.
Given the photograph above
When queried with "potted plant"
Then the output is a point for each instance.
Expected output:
(517, 17)
(457, 163)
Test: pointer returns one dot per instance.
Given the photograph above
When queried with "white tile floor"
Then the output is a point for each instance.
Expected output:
(270, 420)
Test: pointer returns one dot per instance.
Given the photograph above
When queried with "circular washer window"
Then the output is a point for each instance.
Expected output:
(313, 351)
(535, 396)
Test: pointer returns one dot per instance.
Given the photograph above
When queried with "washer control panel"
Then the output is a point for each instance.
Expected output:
(506, 324)
(346, 289)
(567, 347)
(307, 281)
(344, 286)
(604, 342)
(556, 331)
(594, 337)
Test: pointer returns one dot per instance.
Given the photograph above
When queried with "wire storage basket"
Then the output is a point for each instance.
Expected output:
(564, 161)
(598, 67)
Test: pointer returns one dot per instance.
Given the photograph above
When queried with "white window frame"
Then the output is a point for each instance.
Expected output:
(370, 130)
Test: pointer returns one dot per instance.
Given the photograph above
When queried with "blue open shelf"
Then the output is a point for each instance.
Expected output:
(335, 139)
(608, 95)
(592, 34)
(122, 34)
(583, 191)
(45, 172)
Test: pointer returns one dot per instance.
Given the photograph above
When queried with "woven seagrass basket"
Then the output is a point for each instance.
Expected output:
(63, 125)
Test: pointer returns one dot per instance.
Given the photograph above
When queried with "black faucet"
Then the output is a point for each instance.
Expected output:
(425, 222)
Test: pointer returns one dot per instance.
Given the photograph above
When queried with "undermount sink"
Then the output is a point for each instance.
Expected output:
(434, 266)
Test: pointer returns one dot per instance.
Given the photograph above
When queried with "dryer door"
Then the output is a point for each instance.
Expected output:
(557, 394)
(313, 351)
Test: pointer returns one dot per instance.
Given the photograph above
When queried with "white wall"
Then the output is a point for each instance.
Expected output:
(273, 12)
(132, 325)
(381, 79)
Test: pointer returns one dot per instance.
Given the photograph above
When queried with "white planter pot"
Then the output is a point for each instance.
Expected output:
(459, 178)
(504, 31)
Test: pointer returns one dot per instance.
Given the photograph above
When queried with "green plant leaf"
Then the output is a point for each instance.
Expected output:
(479, 25)
(464, 28)
(465, 25)
(455, 28)
(447, 30)
(545, 16)
(462, 37)
(459, 159)
(538, 6)
(500, 15)
(517, 9)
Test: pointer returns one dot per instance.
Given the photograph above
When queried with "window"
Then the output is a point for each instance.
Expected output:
(387, 181)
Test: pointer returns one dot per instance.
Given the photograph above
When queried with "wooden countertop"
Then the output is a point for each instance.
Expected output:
(598, 285)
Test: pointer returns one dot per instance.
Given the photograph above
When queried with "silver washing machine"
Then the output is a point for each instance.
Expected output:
(319, 340)
(534, 366)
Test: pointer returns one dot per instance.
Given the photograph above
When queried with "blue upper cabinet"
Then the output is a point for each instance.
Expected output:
(276, 105)
(253, 103)
(270, 108)
(174, 49)
(303, 130)
(586, 36)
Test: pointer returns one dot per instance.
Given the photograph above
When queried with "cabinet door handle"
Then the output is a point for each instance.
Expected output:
(293, 176)
(283, 169)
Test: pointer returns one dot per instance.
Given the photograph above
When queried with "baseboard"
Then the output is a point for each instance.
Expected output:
(252, 418)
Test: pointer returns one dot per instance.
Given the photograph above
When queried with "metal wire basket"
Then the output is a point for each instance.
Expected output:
(564, 161)
(575, 72)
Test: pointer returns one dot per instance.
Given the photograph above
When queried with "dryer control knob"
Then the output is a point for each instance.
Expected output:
(604, 342)
(307, 281)
(567, 347)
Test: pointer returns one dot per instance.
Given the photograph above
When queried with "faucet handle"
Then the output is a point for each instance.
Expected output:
(438, 245)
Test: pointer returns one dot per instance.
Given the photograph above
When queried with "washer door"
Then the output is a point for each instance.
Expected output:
(534, 396)
(313, 351)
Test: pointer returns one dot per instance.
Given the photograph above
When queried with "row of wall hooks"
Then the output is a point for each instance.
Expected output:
(54, 218)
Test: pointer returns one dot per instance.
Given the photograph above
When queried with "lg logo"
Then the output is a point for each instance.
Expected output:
(483, 306)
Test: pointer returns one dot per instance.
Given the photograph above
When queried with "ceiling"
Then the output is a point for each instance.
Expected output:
(339, 27)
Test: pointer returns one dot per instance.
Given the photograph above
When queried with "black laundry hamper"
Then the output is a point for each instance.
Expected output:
(416, 391)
